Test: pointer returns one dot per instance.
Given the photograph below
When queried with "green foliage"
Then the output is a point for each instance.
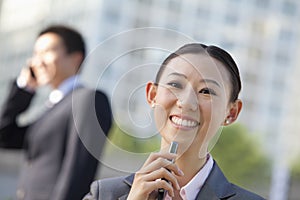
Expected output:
(133, 144)
(295, 170)
(239, 155)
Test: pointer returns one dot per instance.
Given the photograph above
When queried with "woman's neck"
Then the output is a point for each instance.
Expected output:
(190, 166)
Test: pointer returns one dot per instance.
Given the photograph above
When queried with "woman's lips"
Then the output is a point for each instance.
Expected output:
(184, 122)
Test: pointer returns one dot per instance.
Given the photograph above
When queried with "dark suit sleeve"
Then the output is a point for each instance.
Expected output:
(11, 135)
(94, 192)
(80, 161)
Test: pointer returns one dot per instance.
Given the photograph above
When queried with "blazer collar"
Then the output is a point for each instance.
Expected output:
(216, 186)
(128, 180)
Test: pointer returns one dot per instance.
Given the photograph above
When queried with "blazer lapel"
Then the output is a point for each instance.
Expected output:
(216, 186)
(128, 180)
(207, 193)
(124, 197)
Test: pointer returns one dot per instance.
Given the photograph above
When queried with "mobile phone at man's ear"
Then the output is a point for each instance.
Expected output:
(32, 73)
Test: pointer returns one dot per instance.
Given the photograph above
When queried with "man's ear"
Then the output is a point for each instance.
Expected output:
(234, 111)
(151, 90)
(76, 58)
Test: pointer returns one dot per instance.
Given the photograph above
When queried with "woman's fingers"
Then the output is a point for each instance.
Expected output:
(161, 173)
(146, 187)
(144, 190)
(154, 156)
(157, 172)
(162, 163)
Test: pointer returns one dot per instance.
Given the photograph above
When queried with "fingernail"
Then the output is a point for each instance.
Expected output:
(177, 186)
(180, 172)
(172, 194)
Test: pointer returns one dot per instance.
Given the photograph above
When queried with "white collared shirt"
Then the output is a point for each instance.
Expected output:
(65, 87)
(193, 187)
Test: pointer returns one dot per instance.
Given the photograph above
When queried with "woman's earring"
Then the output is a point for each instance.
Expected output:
(227, 121)
(153, 105)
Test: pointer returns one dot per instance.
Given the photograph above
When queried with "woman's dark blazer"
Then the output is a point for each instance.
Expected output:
(216, 187)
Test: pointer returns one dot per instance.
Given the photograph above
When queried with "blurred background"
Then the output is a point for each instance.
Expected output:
(127, 40)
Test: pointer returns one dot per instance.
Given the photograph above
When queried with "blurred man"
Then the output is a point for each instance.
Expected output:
(57, 165)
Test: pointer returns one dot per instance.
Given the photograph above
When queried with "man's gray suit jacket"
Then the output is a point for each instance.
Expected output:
(58, 165)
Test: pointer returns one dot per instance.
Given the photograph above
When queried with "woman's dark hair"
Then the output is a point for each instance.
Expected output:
(72, 39)
(214, 52)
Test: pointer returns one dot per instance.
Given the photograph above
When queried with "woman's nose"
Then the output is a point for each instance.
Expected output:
(188, 100)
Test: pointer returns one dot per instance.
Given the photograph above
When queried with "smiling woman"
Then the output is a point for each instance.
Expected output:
(194, 89)
(195, 94)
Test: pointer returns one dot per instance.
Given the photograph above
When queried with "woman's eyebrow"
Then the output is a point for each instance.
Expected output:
(178, 74)
(202, 81)
(210, 81)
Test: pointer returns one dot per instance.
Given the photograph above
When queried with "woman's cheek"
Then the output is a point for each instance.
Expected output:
(160, 117)
(164, 103)
(210, 116)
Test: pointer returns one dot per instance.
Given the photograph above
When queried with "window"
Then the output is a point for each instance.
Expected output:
(203, 13)
(286, 35)
(289, 8)
(282, 58)
(231, 18)
(112, 15)
(174, 5)
(262, 3)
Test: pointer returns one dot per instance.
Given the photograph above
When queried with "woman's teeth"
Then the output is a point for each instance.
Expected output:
(184, 122)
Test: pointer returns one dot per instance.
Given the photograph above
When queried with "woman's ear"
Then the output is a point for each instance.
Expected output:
(151, 90)
(234, 111)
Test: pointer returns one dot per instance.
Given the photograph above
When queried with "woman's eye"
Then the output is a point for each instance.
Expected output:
(207, 91)
(175, 85)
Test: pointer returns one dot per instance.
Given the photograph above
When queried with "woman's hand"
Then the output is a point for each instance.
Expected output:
(148, 179)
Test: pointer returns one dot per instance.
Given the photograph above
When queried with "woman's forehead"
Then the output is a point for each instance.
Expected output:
(200, 65)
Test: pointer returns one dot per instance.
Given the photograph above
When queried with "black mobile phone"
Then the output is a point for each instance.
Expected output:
(32, 73)
(173, 149)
